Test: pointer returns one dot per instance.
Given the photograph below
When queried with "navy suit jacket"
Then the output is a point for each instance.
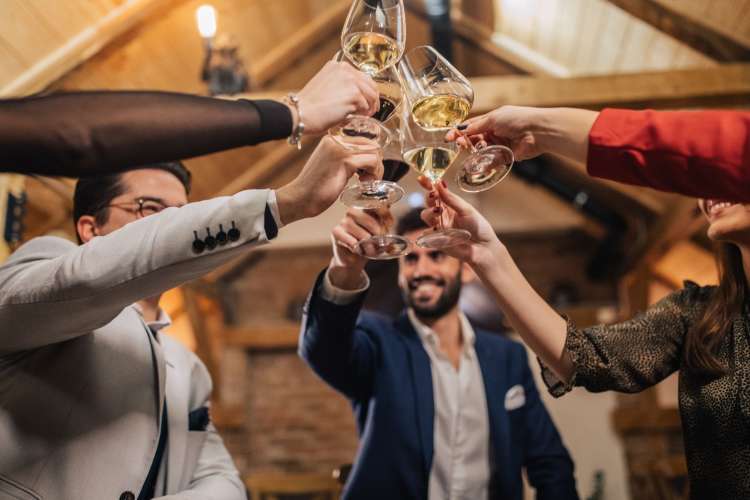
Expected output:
(379, 364)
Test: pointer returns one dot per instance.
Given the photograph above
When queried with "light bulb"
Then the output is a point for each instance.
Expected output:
(206, 17)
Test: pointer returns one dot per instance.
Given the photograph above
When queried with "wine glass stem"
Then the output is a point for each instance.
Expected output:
(467, 140)
(440, 213)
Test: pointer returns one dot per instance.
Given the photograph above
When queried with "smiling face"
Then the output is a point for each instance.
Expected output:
(728, 221)
(430, 280)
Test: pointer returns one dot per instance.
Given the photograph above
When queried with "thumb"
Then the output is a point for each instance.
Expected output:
(459, 205)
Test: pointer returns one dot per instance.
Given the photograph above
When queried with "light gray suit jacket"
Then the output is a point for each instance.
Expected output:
(82, 380)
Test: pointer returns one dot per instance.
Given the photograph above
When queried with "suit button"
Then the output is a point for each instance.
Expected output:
(210, 241)
(198, 245)
(221, 236)
(234, 233)
(127, 495)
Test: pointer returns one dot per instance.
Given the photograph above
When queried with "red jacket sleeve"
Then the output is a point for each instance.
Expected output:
(705, 154)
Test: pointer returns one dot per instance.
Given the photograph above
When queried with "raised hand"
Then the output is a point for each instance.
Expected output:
(323, 177)
(337, 90)
(347, 263)
(459, 214)
(511, 126)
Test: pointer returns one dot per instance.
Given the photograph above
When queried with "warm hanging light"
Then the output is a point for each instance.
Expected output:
(206, 17)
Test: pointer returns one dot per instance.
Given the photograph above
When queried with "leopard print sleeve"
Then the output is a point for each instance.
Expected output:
(633, 355)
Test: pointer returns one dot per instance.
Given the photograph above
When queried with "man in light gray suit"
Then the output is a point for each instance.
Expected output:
(97, 403)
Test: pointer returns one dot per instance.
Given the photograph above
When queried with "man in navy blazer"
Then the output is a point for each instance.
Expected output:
(444, 412)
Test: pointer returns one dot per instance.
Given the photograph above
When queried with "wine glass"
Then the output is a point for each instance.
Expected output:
(427, 152)
(362, 133)
(440, 98)
(372, 40)
(374, 34)
(387, 245)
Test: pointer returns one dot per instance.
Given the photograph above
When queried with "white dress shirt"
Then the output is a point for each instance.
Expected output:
(461, 459)
(162, 321)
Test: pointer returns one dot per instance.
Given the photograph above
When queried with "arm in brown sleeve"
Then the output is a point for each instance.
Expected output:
(91, 133)
(633, 355)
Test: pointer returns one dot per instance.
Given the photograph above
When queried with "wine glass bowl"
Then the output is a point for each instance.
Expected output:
(485, 168)
(374, 34)
(439, 96)
(427, 153)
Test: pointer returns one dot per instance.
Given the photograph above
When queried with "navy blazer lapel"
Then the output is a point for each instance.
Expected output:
(492, 362)
(422, 387)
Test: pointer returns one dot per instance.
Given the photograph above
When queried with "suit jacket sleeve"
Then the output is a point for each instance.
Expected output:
(52, 290)
(336, 347)
(704, 154)
(215, 477)
(94, 133)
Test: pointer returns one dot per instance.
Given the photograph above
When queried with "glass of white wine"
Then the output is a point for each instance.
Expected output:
(427, 152)
(440, 98)
(385, 126)
(372, 40)
(387, 245)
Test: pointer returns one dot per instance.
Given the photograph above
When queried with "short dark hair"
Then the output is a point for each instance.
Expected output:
(411, 221)
(93, 194)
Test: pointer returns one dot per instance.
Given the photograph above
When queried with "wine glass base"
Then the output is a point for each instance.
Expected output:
(362, 133)
(443, 238)
(383, 247)
(484, 169)
(372, 194)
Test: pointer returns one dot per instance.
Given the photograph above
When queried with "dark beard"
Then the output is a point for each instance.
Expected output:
(447, 301)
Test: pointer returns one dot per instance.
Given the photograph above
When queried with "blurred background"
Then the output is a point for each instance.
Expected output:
(598, 251)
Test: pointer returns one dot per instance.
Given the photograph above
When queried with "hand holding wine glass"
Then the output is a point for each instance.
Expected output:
(324, 177)
(512, 126)
(448, 209)
(440, 98)
(335, 92)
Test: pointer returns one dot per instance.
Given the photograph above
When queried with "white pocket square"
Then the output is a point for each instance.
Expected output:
(515, 398)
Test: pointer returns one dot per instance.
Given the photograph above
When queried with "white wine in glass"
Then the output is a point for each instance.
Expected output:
(374, 34)
(440, 97)
(431, 161)
(371, 53)
(426, 152)
(440, 111)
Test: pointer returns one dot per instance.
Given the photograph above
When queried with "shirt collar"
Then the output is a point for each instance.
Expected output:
(427, 334)
(162, 319)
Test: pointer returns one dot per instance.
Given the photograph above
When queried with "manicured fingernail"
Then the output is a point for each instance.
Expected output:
(463, 126)
(442, 183)
(437, 210)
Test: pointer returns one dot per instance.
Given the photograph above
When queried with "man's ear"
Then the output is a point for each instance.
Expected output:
(467, 274)
(86, 227)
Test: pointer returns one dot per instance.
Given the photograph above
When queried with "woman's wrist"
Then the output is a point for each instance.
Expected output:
(489, 258)
(563, 131)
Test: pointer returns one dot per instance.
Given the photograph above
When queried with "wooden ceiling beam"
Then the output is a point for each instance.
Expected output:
(692, 32)
(83, 46)
(726, 85)
(723, 86)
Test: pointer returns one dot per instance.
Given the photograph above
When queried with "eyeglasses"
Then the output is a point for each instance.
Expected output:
(142, 207)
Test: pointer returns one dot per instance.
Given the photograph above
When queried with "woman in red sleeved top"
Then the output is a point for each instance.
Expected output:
(702, 332)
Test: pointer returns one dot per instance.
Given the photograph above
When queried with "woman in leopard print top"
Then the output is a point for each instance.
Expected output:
(702, 332)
